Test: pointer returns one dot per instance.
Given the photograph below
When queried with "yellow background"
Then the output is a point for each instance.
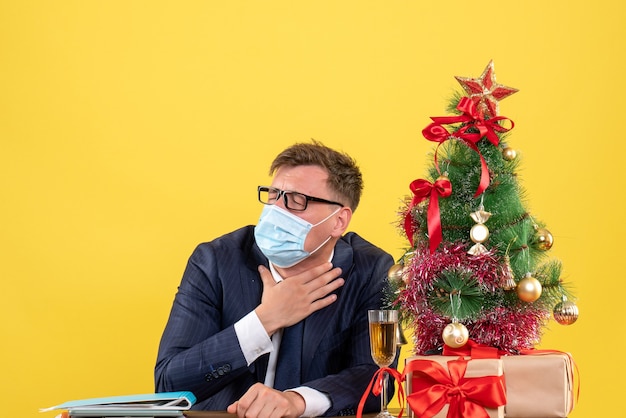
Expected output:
(131, 131)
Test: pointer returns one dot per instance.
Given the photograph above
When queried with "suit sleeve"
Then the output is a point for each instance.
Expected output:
(199, 350)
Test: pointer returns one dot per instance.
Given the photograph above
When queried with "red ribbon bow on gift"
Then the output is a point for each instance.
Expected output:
(472, 120)
(474, 350)
(423, 189)
(433, 387)
(376, 386)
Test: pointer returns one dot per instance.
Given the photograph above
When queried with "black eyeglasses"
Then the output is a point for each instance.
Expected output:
(293, 200)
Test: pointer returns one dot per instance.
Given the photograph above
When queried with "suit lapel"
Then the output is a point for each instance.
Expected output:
(316, 325)
(251, 283)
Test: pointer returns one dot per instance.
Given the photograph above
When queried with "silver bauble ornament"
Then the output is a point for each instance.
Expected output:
(565, 312)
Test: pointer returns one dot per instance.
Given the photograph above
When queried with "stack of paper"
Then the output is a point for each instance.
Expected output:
(168, 404)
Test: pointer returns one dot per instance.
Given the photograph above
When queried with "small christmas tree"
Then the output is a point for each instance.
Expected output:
(477, 265)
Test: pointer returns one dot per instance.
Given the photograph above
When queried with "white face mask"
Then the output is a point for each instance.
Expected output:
(281, 235)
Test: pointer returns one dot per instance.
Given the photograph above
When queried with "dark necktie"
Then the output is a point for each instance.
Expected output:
(289, 364)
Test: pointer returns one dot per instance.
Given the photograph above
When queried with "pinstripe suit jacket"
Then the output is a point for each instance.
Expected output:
(199, 350)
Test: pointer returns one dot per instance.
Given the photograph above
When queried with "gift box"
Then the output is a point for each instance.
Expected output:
(468, 387)
(539, 385)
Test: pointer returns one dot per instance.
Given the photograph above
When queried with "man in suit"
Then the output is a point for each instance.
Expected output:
(295, 277)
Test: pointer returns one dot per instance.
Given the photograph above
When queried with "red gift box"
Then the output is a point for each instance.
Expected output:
(454, 387)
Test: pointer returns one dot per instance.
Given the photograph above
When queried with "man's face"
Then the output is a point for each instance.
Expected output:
(312, 181)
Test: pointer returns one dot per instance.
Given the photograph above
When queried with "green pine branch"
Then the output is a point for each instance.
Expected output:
(456, 294)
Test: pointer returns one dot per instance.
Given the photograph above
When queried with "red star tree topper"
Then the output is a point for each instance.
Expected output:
(485, 92)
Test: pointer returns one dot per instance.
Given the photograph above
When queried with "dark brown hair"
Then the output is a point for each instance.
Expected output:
(344, 176)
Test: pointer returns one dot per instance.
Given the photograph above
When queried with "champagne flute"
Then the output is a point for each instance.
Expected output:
(383, 345)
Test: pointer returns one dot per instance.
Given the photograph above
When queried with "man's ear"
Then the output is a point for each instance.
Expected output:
(342, 221)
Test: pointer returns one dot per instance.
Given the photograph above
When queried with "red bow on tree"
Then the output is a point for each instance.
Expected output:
(422, 190)
(474, 127)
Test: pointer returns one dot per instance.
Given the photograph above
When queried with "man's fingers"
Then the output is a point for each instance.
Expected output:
(232, 408)
(246, 404)
(325, 270)
(261, 401)
(323, 289)
(323, 302)
(266, 276)
(302, 290)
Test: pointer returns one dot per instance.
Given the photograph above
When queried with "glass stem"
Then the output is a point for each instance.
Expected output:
(383, 393)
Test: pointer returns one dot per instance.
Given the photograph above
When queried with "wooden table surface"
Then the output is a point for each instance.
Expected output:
(224, 414)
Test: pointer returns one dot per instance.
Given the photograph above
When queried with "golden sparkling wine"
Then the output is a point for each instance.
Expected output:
(383, 346)
(383, 342)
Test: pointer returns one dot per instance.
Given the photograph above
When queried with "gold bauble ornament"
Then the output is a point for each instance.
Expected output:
(543, 239)
(529, 289)
(395, 273)
(509, 154)
(406, 262)
(455, 335)
(479, 233)
(565, 312)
